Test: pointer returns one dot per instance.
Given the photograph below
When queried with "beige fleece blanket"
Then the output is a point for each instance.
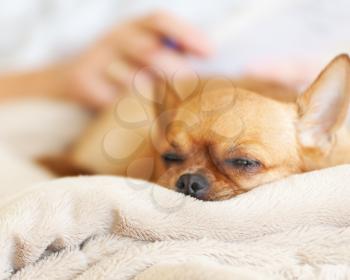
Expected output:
(116, 228)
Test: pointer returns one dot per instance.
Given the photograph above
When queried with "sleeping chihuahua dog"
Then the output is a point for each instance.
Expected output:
(227, 140)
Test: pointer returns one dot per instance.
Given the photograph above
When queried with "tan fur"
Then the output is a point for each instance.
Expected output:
(266, 122)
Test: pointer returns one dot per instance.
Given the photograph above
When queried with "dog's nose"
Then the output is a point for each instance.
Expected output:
(194, 185)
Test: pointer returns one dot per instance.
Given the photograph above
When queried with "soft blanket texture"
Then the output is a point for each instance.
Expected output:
(114, 228)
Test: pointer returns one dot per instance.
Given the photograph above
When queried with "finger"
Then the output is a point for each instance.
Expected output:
(96, 91)
(134, 78)
(145, 50)
(187, 37)
(138, 46)
(168, 62)
(121, 72)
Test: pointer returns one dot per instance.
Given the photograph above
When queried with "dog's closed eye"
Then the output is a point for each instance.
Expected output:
(243, 163)
(171, 158)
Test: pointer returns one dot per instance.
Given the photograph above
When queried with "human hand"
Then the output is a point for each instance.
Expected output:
(97, 76)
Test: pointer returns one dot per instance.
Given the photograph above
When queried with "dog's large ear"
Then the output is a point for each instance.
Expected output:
(324, 105)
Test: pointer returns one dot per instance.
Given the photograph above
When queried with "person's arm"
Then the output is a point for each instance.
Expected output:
(95, 76)
(46, 82)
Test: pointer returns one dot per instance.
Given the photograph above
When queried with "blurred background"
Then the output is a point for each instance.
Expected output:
(247, 34)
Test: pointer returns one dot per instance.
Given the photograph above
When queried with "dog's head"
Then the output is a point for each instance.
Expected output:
(224, 141)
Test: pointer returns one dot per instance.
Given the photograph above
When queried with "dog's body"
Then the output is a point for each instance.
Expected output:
(222, 140)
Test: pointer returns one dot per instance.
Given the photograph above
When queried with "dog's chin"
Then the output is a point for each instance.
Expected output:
(223, 194)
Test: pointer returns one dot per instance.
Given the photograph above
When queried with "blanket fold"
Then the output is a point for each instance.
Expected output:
(318, 198)
(115, 228)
